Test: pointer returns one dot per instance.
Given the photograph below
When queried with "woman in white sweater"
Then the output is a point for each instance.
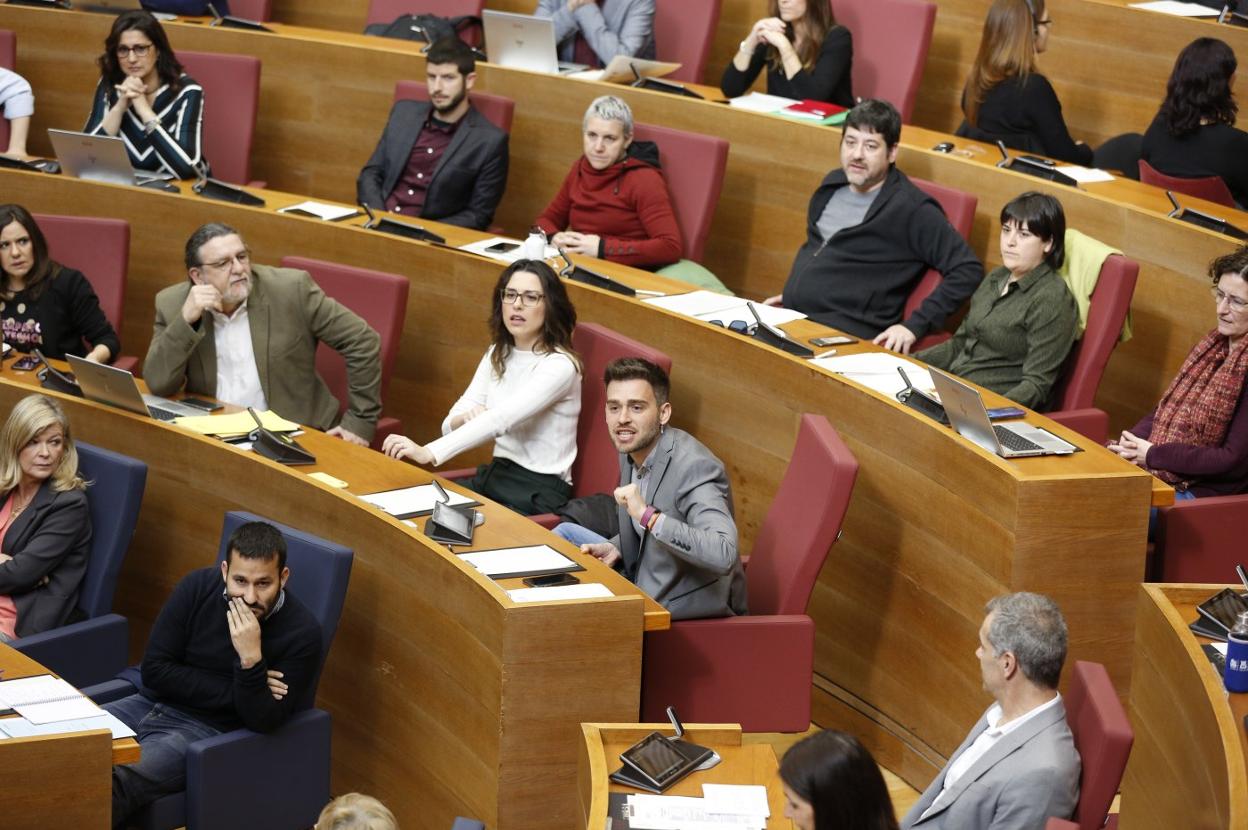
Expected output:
(525, 395)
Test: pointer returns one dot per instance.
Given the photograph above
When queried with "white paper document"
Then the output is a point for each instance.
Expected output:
(1176, 8)
(320, 210)
(585, 590)
(878, 371)
(741, 799)
(1085, 175)
(412, 501)
(22, 728)
(759, 102)
(533, 559)
(503, 249)
(672, 812)
(44, 698)
(770, 315)
(707, 305)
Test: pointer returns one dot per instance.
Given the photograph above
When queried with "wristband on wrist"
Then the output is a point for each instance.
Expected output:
(745, 47)
(646, 516)
(654, 519)
(150, 125)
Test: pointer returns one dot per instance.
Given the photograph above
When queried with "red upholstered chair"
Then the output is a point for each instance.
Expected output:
(1103, 737)
(497, 108)
(959, 207)
(683, 31)
(1200, 540)
(756, 670)
(1209, 188)
(693, 166)
(385, 11)
(8, 59)
(100, 249)
(378, 297)
(891, 38)
(1076, 389)
(231, 95)
(252, 9)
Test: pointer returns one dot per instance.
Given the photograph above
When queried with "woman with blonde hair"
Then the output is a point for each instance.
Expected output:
(45, 527)
(807, 55)
(1006, 98)
(355, 811)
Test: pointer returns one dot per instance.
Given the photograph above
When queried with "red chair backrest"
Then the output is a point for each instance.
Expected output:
(803, 522)
(386, 11)
(8, 59)
(959, 208)
(252, 9)
(1103, 737)
(693, 167)
(497, 108)
(891, 38)
(597, 465)
(380, 298)
(231, 96)
(1209, 188)
(99, 248)
(1109, 303)
(683, 30)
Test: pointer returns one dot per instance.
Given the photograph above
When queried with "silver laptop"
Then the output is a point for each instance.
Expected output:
(97, 158)
(522, 41)
(969, 417)
(116, 387)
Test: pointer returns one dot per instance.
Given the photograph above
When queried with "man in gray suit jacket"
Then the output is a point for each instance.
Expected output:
(439, 159)
(1018, 767)
(601, 29)
(678, 538)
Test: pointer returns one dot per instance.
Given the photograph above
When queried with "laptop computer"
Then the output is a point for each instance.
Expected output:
(117, 387)
(522, 41)
(97, 158)
(965, 409)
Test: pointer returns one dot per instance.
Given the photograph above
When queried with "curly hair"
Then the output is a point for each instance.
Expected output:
(1199, 90)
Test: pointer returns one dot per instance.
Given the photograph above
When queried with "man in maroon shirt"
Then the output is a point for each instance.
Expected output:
(439, 159)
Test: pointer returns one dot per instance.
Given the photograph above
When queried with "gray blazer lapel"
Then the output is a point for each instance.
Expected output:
(258, 322)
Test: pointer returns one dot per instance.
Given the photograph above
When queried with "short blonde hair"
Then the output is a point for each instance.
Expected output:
(355, 811)
(31, 416)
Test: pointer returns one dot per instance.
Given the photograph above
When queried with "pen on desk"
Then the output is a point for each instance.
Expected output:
(649, 293)
(828, 353)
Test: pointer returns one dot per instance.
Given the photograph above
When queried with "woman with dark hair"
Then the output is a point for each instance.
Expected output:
(44, 305)
(1194, 133)
(807, 55)
(526, 395)
(1006, 98)
(1197, 438)
(831, 782)
(144, 96)
(1023, 319)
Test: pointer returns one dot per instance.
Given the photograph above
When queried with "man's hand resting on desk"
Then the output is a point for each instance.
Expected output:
(405, 449)
(347, 435)
(896, 338)
(605, 552)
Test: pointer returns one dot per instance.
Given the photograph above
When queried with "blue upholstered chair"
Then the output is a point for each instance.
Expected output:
(243, 778)
(90, 651)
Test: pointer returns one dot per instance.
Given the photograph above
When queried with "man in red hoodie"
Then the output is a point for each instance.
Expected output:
(614, 203)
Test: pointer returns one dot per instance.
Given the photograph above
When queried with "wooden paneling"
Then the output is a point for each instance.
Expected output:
(58, 781)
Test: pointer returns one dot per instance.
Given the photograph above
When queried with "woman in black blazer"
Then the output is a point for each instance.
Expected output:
(806, 54)
(45, 527)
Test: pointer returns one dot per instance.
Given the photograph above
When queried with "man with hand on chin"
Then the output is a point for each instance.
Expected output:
(220, 657)
(881, 233)
(247, 335)
(677, 539)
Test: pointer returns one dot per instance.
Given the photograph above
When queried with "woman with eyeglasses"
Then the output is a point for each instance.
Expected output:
(144, 96)
(1196, 439)
(525, 395)
(43, 304)
(1006, 98)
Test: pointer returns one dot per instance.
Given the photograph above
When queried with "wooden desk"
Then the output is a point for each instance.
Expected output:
(1189, 765)
(748, 764)
(68, 776)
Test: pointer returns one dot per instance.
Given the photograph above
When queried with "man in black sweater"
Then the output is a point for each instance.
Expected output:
(871, 235)
(231, 648)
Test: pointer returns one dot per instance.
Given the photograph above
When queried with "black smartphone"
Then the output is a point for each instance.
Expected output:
(833, 340)
(502, 247)
(550, 580)
(26, 363)
(199, 403)
(943, 147)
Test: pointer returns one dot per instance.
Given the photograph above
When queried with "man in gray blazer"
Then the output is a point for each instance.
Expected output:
(601, 29)
(678, 538)
(439, 159)
(1018, 767)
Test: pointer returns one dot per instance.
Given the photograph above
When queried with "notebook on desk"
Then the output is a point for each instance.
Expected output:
(966, 411)
(117, 387)
(522, 41)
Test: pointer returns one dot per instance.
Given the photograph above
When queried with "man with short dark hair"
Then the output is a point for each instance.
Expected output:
(439, 159)
(677, 539)
(231, 648)
(1018, 767)
(881, 234)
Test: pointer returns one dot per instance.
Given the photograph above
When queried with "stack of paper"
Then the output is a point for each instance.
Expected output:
(503, 249)
(759, 102)
(878, 371)
(22, 728)
(236, 423)
(504, 563)
(1085, 175)
(707, 305)
(723, 806)
(320, 210)
(413, 501)
(585, 590)
(1177, 8)
(44, 699)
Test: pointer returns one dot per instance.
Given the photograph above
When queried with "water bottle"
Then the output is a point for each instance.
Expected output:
(535, 246)
(1236, 677)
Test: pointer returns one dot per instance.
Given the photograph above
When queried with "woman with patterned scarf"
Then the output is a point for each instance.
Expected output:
(1197, 437)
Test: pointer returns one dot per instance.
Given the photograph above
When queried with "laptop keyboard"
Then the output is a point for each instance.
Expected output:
(1013, 441)
(162, 414)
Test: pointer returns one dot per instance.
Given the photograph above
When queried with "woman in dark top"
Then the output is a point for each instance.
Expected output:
(1194, 132)
(806, 54)
(45, 527)
(44, 305)
(1005, 98)
(144, 95)
(831, 782)
(1197, 437)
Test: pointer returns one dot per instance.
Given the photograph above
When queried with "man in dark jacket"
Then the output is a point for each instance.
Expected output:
(439, 159)
(871, 235)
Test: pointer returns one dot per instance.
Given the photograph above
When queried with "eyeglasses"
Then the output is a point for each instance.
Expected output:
(242, 257)
(138, 51)
(527, 299)
(1048, 22)
(1237, 304)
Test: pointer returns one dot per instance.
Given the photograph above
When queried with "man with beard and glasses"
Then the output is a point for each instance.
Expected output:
(439, 159)
(231, 648)
(677, 539)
